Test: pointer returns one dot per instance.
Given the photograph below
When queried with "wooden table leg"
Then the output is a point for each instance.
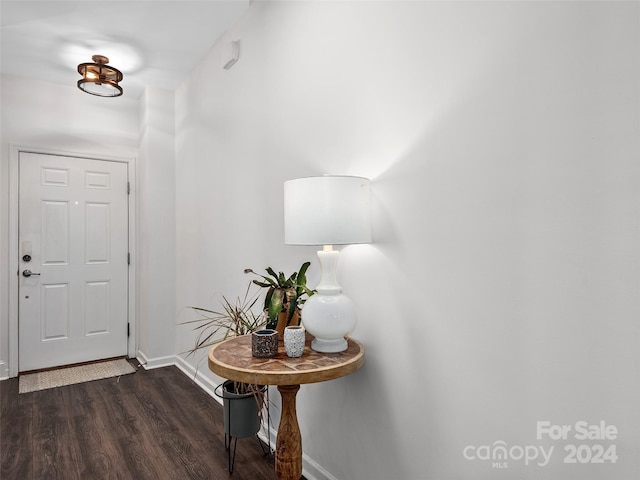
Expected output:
(289, 440)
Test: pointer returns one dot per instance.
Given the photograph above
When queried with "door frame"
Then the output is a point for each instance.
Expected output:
(14, 244)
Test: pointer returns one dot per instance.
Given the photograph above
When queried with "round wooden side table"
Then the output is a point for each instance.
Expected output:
(232, 360)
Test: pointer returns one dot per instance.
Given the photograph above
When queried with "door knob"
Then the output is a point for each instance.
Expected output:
(28, 273)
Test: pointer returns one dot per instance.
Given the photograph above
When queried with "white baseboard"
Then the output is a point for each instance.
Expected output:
(201, 380)
(312, 471)
(150, 363)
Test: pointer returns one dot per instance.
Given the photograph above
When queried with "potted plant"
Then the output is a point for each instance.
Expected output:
(285, 296)
(242, 403)
(235, 319)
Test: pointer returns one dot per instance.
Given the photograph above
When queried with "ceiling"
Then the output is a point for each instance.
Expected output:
(153, 42)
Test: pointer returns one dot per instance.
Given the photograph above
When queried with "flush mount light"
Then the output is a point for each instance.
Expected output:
(100, 79)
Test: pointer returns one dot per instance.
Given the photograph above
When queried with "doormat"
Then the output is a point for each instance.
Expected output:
(33, 382)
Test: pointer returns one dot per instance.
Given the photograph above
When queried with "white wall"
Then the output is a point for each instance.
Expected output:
(156, 235)
(502, 285)
(59, 118)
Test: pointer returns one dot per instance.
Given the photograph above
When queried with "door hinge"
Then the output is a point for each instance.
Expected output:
(128, 330)
(128, 188)
(128, 258)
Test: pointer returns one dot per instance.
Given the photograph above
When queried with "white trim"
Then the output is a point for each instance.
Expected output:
(198, 377)
(14, 182)
(132, 169)
(313, 471)
(14, 251)
(159, 362)
(142, 359)
(4, 371)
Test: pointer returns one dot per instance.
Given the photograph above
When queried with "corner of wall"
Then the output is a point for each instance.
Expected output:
(156, 362)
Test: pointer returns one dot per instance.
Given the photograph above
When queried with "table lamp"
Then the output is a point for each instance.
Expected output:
(328, 210)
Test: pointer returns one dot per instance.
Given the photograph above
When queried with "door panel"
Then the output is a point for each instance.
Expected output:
(97, 311)
(73, 223)
(97, 233)
(54, 319)
(55, 233)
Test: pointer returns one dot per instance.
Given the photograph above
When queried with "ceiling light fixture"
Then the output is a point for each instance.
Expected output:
(100, 79)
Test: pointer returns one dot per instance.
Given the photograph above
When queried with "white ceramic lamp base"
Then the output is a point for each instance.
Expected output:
(329, 318)
(329, 346)
(329, 315)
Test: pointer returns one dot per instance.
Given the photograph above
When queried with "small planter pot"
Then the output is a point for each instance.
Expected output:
(241, 411)
(294, 337)
(264, 343)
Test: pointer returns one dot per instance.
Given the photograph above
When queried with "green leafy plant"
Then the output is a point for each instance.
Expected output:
(284, 294)
(233, 319)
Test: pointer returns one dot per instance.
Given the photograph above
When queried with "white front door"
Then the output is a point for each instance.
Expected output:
(73, 238)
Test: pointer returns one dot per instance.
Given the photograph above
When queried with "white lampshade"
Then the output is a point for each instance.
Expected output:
(327, 210)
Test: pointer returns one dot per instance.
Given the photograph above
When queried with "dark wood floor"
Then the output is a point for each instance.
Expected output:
(155, 424)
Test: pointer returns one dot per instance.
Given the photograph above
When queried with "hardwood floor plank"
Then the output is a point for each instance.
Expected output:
(15, 435)
(53, 444)
(155, 424)
(95, 461)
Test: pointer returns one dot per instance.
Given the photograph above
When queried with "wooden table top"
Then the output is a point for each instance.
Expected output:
(232, 360)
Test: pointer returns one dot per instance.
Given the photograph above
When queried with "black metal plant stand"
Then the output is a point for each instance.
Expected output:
(228, 439)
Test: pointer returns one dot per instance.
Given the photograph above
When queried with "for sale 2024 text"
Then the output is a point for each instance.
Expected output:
(582, 431)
